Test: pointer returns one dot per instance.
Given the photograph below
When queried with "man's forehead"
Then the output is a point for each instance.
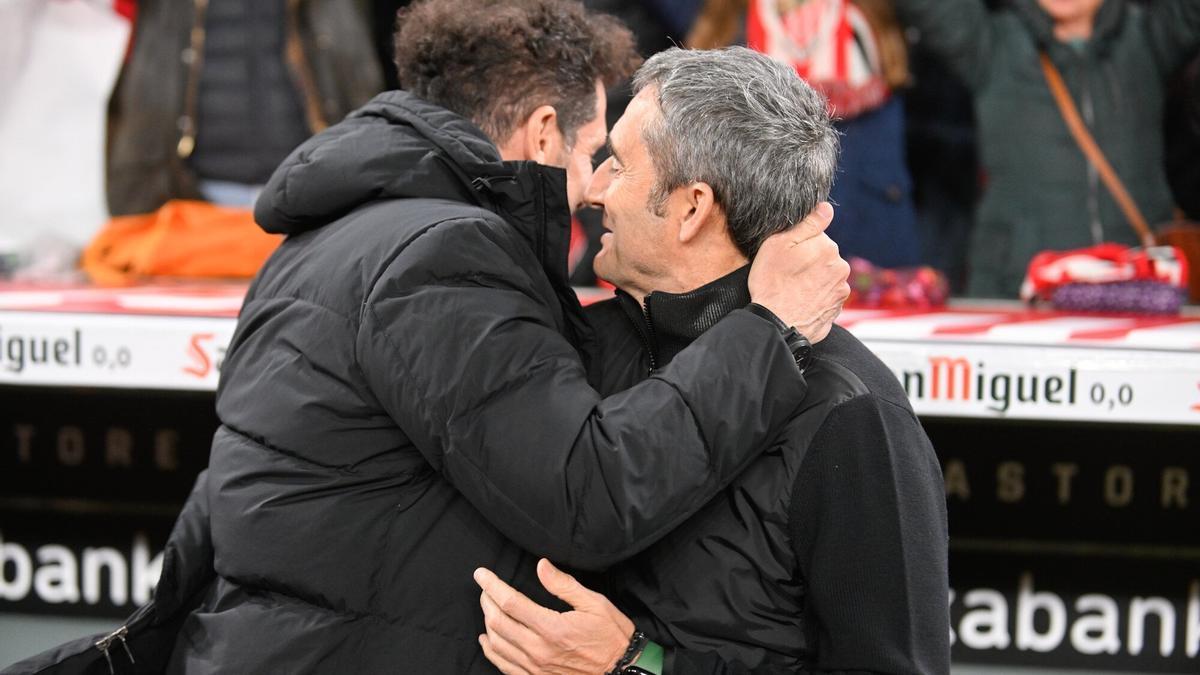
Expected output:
(627, 131)
(594, 133)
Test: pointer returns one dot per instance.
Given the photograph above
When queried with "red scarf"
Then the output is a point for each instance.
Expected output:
(831, 45)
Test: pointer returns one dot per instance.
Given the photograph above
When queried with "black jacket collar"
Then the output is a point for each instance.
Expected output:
(669, 322)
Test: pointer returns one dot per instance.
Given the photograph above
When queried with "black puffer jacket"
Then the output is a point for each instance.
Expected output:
(404, 401)
(828, 554)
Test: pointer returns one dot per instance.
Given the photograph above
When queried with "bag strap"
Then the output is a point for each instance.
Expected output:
(1086, 143)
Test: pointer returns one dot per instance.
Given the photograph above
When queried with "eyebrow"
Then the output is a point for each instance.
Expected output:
(611, 150)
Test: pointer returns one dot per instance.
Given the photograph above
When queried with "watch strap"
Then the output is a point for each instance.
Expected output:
(637, 643)
(649, 661)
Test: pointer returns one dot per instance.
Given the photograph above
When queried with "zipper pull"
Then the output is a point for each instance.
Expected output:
(503, 185)
(104, 644)
(128, 652)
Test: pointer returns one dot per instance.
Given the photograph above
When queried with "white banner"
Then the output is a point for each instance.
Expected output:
(121, 351)
(942, 378)
(1046, 383)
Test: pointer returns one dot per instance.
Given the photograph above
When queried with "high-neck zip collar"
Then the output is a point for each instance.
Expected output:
(669, 322)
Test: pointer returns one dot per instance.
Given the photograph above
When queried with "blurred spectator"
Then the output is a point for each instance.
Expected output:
(854, 52)
(940, 142)
(216, 93)
(383, 27)
(1183, 140)
(1041, 193)
(656, 25)
(677, 16)
(58, 62)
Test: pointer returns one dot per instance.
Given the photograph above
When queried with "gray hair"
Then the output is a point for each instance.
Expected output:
(746, 125)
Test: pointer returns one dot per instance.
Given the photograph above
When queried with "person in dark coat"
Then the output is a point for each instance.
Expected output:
(853, 52)
(405, 397)
(829, 554)
(215, 93)
(1041, 193)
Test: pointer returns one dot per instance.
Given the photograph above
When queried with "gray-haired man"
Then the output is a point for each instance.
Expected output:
(829, 552)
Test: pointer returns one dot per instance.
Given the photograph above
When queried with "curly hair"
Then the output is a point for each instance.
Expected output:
(496, 61)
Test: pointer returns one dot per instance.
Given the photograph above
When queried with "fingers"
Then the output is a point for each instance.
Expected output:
(504, 626)
(505, 665)
(564, 586)
(568, 589)
(804, 282)
(787, 250)
(524, 637)
(811, 225)
(508, 643)
(511, 601)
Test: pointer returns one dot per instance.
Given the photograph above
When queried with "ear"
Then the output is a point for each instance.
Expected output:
(696, 209)
(537, 138)
(543, 141)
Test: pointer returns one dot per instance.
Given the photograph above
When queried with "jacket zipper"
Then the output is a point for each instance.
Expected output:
(647, 335)
(104, 644)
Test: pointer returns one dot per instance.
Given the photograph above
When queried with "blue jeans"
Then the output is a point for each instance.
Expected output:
(228, 193)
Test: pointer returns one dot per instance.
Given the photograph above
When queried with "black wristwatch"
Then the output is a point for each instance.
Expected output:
(799, 345)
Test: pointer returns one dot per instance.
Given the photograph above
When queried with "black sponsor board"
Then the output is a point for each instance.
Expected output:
(1073, 545)
(91, 482)
(1131, 486)
(80, 564)
(106, 448)
(1093, 613)
(1100, 517)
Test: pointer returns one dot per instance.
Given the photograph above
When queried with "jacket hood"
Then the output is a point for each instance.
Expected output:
(396, 146)
(1109, 19)
(399, 146)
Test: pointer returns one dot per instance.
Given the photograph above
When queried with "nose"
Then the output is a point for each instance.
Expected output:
(598, 186)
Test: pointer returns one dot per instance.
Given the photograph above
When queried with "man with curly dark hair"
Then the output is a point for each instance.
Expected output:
(405, 398)
(521, 71)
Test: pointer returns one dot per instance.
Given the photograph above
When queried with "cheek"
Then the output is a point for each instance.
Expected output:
(577, 177)
(574, 189)
(581, 169)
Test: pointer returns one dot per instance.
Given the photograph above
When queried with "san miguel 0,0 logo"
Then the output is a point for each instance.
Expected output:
(47, 350)
(957, 379)
(19, 351)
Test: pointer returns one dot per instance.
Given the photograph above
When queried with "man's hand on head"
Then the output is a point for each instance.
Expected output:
(800, 277)
(525, 638)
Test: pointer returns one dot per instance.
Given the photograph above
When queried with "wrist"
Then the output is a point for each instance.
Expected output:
(762, 312)
(797, 344)
(650, 661)
(637, 642)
